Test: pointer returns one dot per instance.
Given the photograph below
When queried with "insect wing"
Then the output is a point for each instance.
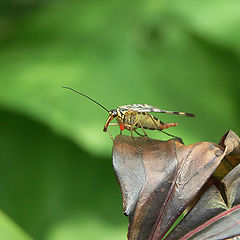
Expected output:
(140, 108)
(148, 108)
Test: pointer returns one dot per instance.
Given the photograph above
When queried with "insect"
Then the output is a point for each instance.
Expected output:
(134, 116)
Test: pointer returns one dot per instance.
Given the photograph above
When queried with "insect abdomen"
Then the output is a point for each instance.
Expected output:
(148, 121)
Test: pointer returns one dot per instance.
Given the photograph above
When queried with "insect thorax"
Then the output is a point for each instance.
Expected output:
(127, 117)
(121, 114)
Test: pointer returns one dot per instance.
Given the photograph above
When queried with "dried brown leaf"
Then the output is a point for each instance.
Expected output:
(165, 177)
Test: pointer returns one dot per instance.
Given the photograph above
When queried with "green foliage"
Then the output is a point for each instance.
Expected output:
(9, 230)
(177, 55)
(53, 187)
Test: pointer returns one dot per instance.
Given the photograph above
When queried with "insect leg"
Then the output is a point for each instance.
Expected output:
(135, 130)
(143, 130)
(115, 124)
(147, 135)
(144, 120)
(109, 134)
(169, 134)
(131, 129)
(157, 127)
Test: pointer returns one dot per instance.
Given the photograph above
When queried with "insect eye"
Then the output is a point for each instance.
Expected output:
(113, 112)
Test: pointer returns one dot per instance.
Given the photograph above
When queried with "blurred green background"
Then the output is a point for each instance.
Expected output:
(56, 177)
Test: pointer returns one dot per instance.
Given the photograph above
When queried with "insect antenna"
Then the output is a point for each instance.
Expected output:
(87, 97)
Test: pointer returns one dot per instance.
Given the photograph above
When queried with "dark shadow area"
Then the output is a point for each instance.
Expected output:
(45, 177)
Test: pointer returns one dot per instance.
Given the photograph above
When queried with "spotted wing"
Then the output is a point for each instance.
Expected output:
(148, 108)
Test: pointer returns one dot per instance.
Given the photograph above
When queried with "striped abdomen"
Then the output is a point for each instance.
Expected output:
(146, 120)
